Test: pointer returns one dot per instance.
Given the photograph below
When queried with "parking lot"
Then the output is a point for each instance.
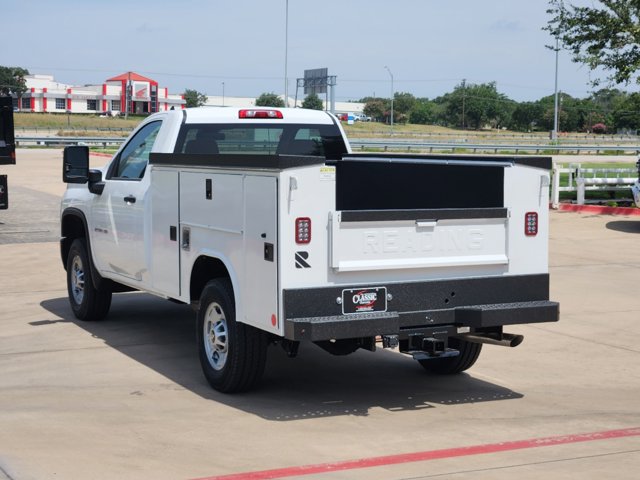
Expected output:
(125, 398)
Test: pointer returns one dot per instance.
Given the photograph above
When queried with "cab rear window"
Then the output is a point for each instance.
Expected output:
(261, 139)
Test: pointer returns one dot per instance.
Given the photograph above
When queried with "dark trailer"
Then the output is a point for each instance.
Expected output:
(7, 146)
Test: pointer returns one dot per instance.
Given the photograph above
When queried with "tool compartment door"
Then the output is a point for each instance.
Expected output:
(165, 248)
(260, 286)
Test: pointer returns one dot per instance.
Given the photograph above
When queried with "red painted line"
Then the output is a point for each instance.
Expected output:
(99, 154)
(598, 209)
(428, 455)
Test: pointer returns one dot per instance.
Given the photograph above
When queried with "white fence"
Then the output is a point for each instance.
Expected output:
(581, 180)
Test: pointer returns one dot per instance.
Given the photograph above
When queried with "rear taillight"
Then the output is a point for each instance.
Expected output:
(259, 114)
(531, 224)
(303, 230)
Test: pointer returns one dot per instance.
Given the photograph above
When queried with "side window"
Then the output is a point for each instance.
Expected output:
(135, 156)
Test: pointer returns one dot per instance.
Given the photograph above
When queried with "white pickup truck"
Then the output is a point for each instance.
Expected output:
(266, 223)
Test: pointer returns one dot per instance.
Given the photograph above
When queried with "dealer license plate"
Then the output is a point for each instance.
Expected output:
(364, 300)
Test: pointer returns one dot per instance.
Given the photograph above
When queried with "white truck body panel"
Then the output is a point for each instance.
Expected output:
(415, 244)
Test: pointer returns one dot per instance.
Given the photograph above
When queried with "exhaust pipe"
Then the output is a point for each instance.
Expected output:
(506, 340)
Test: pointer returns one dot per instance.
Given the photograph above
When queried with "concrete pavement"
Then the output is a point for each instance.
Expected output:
(125, 398)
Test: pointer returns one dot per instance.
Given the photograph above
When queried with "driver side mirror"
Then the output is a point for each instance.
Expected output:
(75, 165)
(75, 169)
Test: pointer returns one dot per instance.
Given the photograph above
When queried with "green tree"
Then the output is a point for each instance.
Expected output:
(403, 102)
(193, 98)
(313, 102)
(626, 115)
(375, 108)
(605, 101)
(12, 80)
(422, 112)
(526, 116)
(604, 35)
(475, 106)
(269, 100)
(573, 113)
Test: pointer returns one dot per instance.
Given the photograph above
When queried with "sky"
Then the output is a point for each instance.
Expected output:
(428, 46)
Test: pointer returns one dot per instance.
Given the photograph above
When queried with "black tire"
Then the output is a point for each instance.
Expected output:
(87, 302)
(469, 353)
(232, 354)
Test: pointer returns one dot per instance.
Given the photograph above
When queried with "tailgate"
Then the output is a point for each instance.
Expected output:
(400, 239)
(419, 212)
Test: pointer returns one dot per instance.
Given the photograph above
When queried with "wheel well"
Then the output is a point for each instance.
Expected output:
(205, 269)
(72, 227)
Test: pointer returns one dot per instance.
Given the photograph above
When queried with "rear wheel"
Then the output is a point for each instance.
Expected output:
(469, 353)
(232, 354)
(87, 302)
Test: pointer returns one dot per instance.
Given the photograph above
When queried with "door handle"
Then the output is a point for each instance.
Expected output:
(130, 199)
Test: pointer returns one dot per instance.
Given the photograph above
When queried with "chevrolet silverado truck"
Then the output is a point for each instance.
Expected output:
(276, 233)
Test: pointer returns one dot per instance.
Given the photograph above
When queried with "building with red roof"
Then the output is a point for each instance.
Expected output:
(128, 92)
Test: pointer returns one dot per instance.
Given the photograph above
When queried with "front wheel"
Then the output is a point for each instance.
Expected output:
(469, 353)
(87, 302)
(232, 354)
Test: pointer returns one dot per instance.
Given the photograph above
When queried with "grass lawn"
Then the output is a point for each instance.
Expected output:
(62, 121)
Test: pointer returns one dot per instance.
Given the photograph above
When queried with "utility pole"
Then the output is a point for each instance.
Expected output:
(223, 94)
(286, 53)
(464, 94)
(127, 94)
(554, 134)
(392, 95)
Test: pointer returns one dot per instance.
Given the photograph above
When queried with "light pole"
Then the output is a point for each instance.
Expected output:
(286, 53)
(223, 94)
(391, 75)
(554, 134)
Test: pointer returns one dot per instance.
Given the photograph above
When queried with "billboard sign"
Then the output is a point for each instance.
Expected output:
(315, 81)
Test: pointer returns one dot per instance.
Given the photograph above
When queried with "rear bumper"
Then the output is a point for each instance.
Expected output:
(419, 307)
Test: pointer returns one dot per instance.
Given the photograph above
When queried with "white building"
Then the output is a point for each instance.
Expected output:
(44, 94)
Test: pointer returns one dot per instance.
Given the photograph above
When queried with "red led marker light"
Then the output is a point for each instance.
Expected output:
(531, 224)
(303, 230)
(260, 114)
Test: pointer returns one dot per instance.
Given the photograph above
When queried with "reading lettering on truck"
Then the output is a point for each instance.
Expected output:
(266, 223)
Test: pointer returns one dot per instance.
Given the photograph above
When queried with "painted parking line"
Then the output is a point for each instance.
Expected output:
(427, 455)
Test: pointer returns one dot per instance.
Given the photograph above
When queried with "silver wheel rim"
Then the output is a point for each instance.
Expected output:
(215, 335)
(77, 280)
